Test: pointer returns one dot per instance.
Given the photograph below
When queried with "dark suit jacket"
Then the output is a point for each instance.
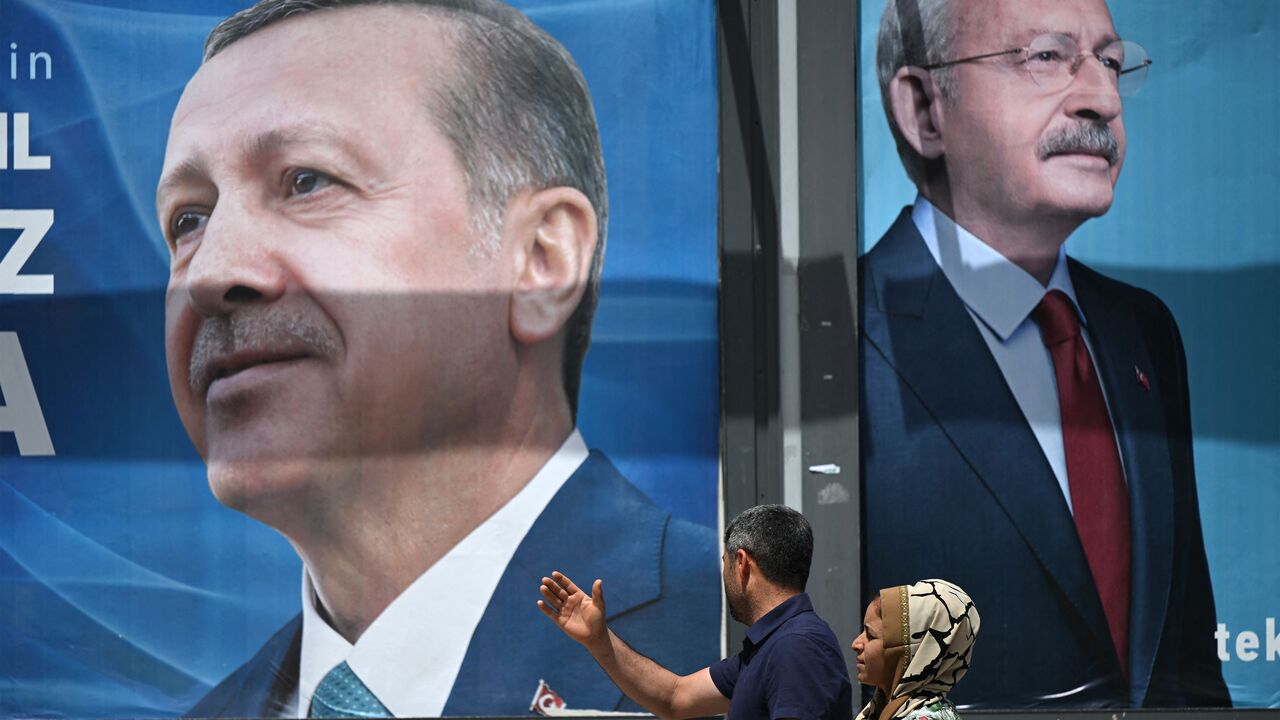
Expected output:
(661, 590)
(956, 486)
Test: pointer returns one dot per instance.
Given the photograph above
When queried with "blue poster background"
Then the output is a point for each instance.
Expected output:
(125, 589)
(1195, 221)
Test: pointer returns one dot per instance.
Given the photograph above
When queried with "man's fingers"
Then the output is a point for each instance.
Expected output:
(554, 587)
(565, 582)
(597, 593)
(546, 610)
(554, 593)
(551, 597)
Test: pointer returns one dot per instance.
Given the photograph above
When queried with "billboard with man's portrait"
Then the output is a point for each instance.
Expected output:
(364, 282)
(1154, 588)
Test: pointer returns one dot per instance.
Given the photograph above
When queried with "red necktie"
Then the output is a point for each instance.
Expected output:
(1099, 499)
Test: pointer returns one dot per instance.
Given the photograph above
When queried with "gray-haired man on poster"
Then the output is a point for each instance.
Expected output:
(1025, 420)
(386, 223)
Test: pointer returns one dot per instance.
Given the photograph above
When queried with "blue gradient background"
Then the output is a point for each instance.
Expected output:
(1196, 220)
(125, 589)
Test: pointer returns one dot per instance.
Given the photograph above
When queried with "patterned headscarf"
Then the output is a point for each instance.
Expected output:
(929, 630)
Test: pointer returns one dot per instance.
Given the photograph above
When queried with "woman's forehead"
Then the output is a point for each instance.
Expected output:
(873, 611)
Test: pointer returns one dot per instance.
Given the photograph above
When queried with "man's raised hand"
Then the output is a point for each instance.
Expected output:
(579, 616)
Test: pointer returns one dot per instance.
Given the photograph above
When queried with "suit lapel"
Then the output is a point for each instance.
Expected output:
(1118, 347)
(597, 526)
(264, 685)
(912, 315)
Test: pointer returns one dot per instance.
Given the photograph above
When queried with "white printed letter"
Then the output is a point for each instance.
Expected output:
(1221, 635)
(33, 224)
(21, 414)
(1273, 641)
(22, 157)
(1247, 645)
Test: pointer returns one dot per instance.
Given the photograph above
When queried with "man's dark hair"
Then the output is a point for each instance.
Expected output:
(516, 111)
(778, 538)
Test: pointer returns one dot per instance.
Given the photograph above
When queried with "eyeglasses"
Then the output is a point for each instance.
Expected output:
(1052, 60)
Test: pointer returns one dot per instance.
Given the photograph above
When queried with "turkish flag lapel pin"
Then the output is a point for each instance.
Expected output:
(1142, 378)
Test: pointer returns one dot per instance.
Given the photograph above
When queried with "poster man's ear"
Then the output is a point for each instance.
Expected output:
(918, 110)
(556, 240)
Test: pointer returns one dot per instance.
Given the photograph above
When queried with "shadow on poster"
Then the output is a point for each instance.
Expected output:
(978, 462)
(372, 340)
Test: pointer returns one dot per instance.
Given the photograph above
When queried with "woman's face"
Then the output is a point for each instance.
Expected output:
(870, 649)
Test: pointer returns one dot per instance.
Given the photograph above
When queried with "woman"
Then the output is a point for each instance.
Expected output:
(915, 646)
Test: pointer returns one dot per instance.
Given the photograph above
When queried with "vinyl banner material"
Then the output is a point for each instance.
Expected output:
(1087, 443)
(328, 300)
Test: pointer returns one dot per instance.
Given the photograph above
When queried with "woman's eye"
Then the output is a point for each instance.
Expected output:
(187, 222)
(305, 182)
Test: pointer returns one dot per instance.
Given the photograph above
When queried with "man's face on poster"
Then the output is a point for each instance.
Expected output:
(331, 302)
(1007, 139)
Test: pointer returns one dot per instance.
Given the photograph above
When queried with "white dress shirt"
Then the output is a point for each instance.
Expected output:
(411, 654)
(1000, 297)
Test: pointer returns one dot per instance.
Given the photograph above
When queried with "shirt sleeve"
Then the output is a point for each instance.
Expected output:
(725, 675)
(808, 680)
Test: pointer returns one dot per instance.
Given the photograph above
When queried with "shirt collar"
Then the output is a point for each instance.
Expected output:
(774, 619)
(1001, 294)
(411, 653)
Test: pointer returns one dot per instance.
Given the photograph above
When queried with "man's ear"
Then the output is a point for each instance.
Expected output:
(556, 240)
(744, 566)
(917, 109)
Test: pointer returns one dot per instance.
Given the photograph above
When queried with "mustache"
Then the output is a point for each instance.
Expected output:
(264, 329)
(1082, 137)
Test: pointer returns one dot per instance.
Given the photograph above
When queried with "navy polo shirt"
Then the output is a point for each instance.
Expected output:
(790, 666)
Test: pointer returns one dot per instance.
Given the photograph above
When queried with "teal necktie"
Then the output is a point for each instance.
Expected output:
(342, 695)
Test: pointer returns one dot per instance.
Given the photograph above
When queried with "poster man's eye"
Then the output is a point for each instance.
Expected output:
(305, 182)
(187, 222)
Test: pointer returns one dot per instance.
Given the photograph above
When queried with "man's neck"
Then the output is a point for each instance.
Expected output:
(1030, 243)
(363, 551)
(769, 601)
